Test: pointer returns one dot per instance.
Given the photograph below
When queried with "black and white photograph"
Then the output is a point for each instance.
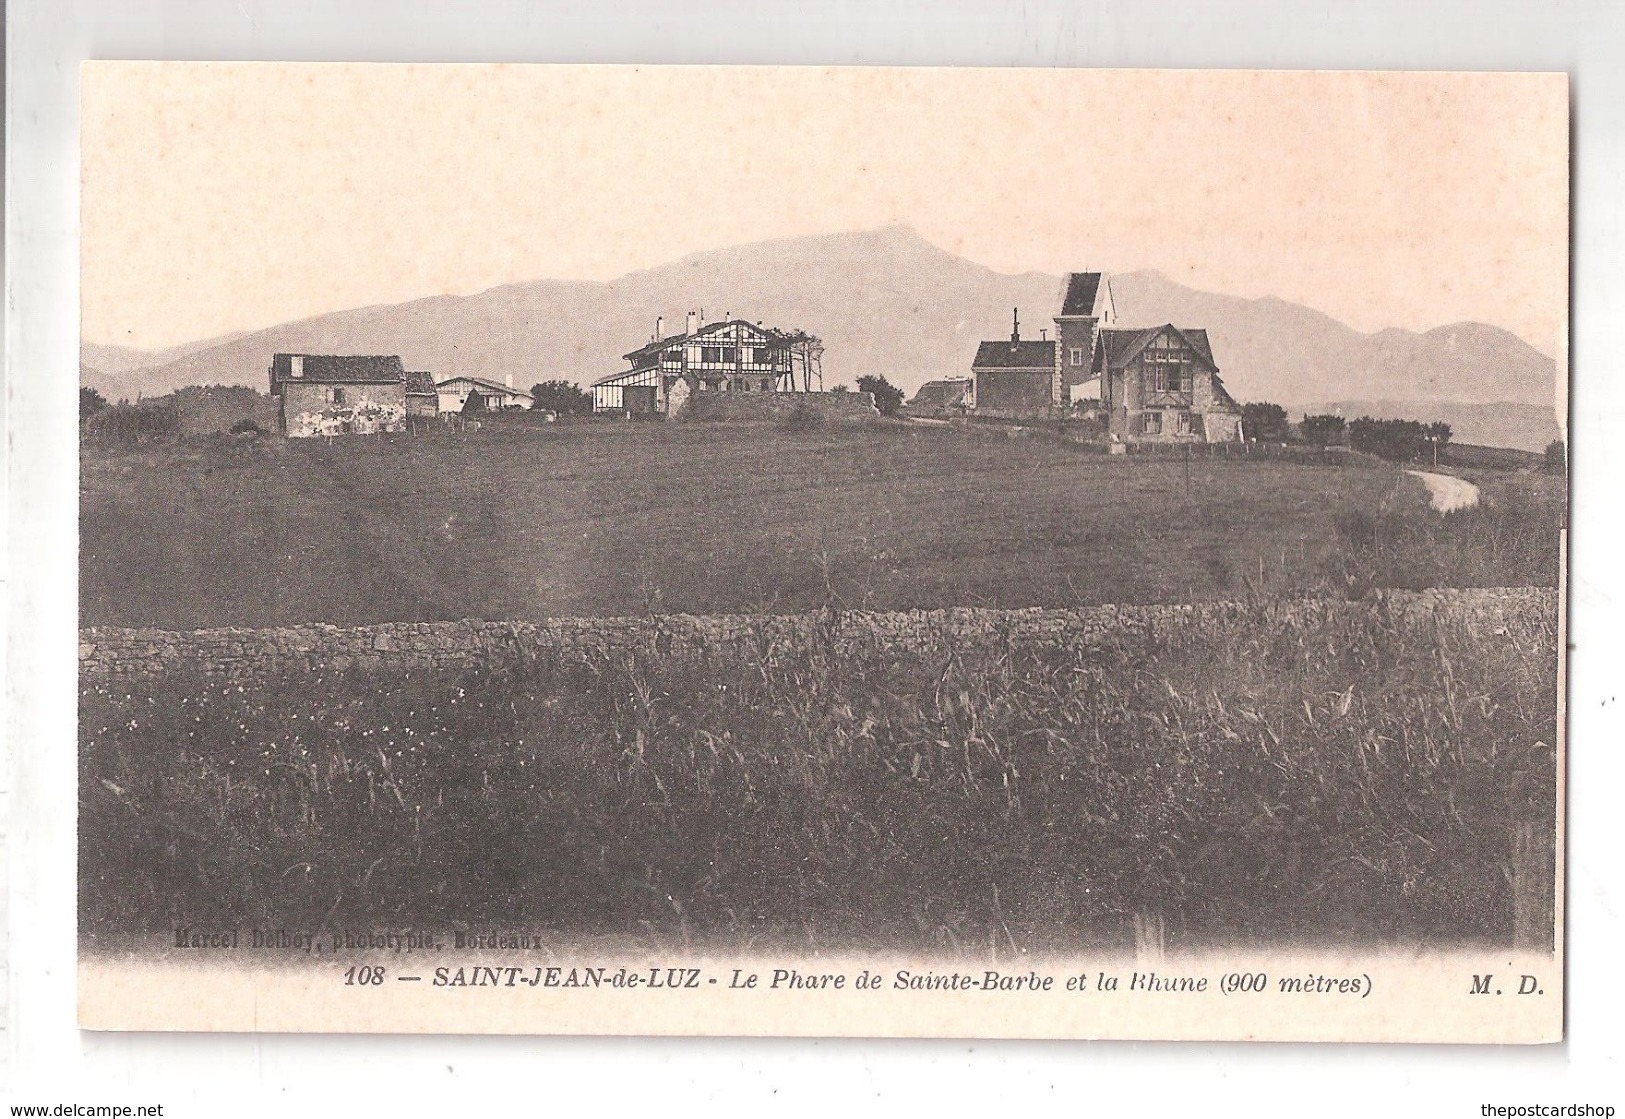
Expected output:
(822, 551)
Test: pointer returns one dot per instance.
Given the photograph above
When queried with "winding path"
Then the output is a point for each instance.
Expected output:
(1447, 491)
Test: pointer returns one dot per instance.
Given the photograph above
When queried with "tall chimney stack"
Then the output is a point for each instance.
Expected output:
(693, 322)
(1015, 327)
(660, 327)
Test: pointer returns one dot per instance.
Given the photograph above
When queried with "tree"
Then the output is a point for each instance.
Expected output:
(562, 397)
(1557, 457)
(474, 405)
(90, 402)
(841, 388)
(1323, 430)
(1262, 420)
(888, 397)
(1396, 440)
(809, 348)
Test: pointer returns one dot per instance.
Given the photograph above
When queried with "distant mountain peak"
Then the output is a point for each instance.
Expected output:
(885, 300)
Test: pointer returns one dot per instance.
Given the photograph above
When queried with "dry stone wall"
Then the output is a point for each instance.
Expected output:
(120, 654)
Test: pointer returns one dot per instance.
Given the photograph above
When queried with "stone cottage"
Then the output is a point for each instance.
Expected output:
(339, 394)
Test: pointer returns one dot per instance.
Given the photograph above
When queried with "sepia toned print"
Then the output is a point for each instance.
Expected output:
(864, 552)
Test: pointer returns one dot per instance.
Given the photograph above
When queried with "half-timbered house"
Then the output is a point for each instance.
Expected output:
(729, 356)
(1161, 384)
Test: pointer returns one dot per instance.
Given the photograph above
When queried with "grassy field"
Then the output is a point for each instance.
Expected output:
(1275, 779)
(614, 519)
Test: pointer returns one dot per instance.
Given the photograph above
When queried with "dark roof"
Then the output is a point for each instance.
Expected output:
(774, 337)
(1081, 290)
(340, 369)
(940, 394)
(419, 383)
(1120, 347)
(1015, 355)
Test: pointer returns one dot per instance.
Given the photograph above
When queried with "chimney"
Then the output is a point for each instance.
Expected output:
(1043, 335)
(509, 380)
(1015, 327)
(693, 322)
(660, 327)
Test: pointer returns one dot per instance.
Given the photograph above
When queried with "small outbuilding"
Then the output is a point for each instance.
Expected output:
(499, 396)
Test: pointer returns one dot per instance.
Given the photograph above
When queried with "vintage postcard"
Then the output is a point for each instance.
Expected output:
(877, 552)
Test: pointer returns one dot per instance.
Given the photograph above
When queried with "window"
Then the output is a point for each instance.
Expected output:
(711, 355)
(1182, 423)
(1151, 423)
(335, 395)
(728, 355)
(747, 355)
(1077, 355)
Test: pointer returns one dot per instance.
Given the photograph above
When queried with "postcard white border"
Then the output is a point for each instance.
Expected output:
(326, 1075)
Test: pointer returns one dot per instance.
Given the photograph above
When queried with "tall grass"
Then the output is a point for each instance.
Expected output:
(1275, 780)
(1510, 538)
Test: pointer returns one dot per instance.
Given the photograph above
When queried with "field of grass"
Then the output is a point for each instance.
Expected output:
(614, 519)
(1272, 780)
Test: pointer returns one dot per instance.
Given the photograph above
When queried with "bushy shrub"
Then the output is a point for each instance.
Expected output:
(128, 425)
(1265, 421)
(1323, 431)
(888, 397)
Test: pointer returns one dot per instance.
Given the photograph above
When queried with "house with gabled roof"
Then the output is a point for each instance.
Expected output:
(943, 399)
(496, 395)
(1161, 384)
(728, 356)
(339, 394)
(1017, 379)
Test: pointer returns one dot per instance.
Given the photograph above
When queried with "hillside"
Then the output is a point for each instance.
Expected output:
(884, 301)
(613, 519)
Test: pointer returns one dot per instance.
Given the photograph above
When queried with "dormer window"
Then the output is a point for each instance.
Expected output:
(296, 365)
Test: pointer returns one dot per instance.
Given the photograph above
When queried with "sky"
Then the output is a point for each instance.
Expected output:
(220, 197)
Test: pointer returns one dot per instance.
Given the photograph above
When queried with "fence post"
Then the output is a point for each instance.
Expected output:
(1150, 939)
(1534, 884)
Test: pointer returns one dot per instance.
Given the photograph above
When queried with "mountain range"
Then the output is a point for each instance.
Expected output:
(887, 301)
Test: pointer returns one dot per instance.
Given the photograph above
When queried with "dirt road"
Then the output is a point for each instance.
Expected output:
(1447, 491)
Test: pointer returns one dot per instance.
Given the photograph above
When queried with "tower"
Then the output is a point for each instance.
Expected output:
(1086, 307)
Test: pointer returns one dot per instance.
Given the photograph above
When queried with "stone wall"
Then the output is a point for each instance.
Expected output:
(843, 407)
(119, 654)
(309, 408)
